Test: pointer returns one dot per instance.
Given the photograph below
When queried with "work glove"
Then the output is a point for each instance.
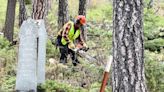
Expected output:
(71, 45)
(79, 46)
(85, 45)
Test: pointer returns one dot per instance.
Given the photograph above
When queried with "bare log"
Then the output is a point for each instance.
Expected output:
(83, 54)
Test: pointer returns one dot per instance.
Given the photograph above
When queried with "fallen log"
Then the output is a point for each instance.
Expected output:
(83, 54)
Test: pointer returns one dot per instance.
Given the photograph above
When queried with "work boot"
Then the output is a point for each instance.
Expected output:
(63, 61)
(75, 62)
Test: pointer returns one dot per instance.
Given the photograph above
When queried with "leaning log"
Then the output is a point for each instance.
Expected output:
(83, 54)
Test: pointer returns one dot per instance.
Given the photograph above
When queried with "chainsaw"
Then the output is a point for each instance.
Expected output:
(79, 47)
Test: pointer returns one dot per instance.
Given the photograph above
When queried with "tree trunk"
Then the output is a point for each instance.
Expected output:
(82, 11)
(62, 13)
(84, 33)
(10, 18)
(82, 7)
(22, 12)
(39, 9)
(128, 50)
(49, 5)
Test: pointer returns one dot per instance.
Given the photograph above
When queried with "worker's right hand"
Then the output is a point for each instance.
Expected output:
(71, 45)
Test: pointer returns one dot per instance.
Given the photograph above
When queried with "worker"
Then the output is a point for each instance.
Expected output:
(67, 36)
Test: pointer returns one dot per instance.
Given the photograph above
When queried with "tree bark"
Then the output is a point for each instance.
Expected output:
(22, 12)
(82, 11)
(49, 5)
(82, 7)
(10, 18)
(128, 50)
(39, 9)
(62, 13)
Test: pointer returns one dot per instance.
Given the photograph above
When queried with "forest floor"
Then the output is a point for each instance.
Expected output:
(87, 76)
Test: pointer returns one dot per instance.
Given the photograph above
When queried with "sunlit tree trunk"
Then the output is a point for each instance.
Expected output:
(10, 18)
(62, 13)
(39, 9)
(128, 50)
(22, 12)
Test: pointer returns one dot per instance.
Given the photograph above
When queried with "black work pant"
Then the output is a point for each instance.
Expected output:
(64, 51)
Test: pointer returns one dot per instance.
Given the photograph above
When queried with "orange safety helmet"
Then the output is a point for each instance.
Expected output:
(81, 19)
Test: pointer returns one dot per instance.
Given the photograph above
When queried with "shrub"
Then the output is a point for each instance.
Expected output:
(154, 71)
(51, 50)
(152, 23)
(28, 2)
(154, 45)
(8, 84)
(7, 56)
(54, 86)
(4, 44)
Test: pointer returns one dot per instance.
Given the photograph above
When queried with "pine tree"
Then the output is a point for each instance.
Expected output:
(128, 50)
(82, 11)
(62, 13)
(22, 12)
(39, 9)
(10, 18)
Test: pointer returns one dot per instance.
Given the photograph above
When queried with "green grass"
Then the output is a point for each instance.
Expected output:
(3, 5)
(160, 21)
(54, 86)
(100, 13)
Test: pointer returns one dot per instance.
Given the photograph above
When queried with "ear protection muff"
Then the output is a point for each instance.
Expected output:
(77, 21)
